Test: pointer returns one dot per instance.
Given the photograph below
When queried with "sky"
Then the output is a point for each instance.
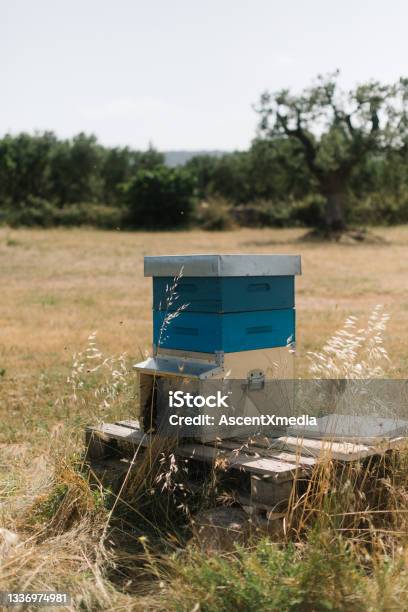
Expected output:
(182, 74)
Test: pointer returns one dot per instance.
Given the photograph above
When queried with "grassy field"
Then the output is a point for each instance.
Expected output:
(58, 286)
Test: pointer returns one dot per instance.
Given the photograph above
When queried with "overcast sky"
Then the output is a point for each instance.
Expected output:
(182, 74)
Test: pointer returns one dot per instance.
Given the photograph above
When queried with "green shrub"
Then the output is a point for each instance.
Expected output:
(266, 213)
(309, 212)
(94, 215)
(162, 198)
(33, 212)
(269, 577)
(263, 213)
(380, 209)
(215, 214)
(40, 213)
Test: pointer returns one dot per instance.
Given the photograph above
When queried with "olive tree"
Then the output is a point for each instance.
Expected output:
(335, 131)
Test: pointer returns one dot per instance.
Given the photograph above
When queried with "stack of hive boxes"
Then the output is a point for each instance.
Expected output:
(217, 316)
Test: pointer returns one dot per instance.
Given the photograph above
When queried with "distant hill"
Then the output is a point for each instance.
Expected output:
(178, 158)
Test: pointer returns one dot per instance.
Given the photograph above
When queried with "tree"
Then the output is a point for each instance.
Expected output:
(160, 198)
(120, 165)
(277, 171)
(336, 131)
(225, 176)
(203, 168)
(25, 167)
(76, 170)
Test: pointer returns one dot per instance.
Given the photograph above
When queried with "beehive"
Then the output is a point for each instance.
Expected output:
(217, 316)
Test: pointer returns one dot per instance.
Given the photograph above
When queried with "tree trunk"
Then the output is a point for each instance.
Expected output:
(334, 217)
(334, 188)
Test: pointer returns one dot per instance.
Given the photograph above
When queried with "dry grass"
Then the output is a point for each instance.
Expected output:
(57, 287)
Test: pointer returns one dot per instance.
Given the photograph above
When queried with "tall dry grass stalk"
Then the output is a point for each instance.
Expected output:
(364, 502)
(171, 298)
(354, 352)
(98, 382)
(158, 472)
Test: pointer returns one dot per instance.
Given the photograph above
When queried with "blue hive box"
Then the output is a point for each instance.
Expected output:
(226, 303)
(232, 332)
(224, 294)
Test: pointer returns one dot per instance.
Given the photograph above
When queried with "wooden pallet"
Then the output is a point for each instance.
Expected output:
(271, 464)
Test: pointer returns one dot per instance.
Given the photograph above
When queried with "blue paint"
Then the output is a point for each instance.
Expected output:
(224, 294)
(232, 332)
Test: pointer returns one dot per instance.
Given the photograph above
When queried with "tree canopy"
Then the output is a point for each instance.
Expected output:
(335, 132)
